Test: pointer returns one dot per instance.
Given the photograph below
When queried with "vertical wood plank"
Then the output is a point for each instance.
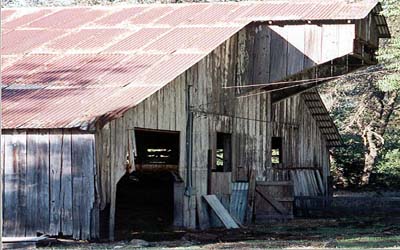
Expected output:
(43, 182)
(279, 53)
(261, 55)
(10, 188)
(32, 187)
(66, 195)
(77, 185)
(56, 145)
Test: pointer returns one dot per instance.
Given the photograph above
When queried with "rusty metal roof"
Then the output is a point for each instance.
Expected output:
(65, 67)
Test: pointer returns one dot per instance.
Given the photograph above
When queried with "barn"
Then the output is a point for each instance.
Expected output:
(127, 118)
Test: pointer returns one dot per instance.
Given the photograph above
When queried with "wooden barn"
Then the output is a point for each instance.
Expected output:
(134, 117)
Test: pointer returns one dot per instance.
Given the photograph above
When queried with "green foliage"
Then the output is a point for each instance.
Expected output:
(391, 8)
(389, 54)
(388, 168)
(349, 161)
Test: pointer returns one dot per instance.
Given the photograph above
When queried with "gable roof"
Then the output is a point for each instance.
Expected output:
(65, 67)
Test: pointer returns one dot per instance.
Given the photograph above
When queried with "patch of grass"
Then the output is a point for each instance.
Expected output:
(369, 242)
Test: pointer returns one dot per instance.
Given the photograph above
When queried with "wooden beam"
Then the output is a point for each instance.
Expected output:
(291, 91)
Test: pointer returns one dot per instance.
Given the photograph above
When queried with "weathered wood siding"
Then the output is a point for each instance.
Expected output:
(308, 45)
(49, 178)
(367, 31)
(214, 109)
(305, 156)
(256, 54)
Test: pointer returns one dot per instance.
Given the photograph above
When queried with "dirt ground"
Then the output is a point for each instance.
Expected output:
(356, 233)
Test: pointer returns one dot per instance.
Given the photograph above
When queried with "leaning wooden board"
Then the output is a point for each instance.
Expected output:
(221, 212)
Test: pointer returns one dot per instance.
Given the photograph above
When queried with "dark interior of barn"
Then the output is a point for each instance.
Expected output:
(145, 198)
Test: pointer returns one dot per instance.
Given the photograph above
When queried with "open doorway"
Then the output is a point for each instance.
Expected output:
(145, 198)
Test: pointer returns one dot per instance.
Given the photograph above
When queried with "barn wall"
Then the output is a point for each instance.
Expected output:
(214, 110)
(256, 54)
(49, 178)
(305, 152)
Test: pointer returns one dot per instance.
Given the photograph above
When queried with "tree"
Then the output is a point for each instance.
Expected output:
(364, 106)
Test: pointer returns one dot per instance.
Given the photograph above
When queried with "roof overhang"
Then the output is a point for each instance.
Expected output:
(324, 121)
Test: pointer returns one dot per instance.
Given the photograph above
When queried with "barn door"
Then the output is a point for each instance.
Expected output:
(273, 201)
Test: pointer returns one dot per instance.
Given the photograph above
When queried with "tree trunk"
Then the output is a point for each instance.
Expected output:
(370, 156)
(373, 133)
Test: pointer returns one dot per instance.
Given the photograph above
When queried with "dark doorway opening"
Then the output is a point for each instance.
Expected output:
(144, 203)
(145, 198)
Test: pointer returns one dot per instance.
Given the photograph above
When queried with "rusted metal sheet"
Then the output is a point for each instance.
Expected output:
(62, 64)
(137, 40)
(68, 18)
(149, 15)
(15, 72)
(119, 16)
(25, 40)
(310, 10)
(25, 19)
(182, 14)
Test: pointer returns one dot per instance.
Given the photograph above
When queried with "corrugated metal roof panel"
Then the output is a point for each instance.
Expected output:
(53, 73)
(62, 65)
(212, 14)
(131, 69)
(100, 39)
(71, 40)
(310, 10)
(175, 39)
(168, 69)
(25, 19)
(183, 14)
(150, 15)
(22, 41)
(23, 67)
(122, 15)
(68, 18)
(137, 40)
